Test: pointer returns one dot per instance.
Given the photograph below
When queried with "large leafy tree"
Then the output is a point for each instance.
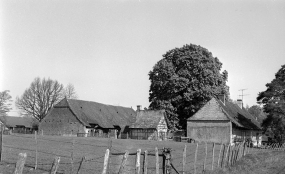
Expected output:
(184, 80)
(5, 102)
(40, 97)
(257, 112)
(273, 99)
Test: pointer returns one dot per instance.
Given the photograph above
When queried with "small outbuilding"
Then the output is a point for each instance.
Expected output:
(22, 125)
(221, 121)
(149, 125)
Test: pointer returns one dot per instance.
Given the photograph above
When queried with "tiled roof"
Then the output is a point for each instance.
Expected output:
(10, 121)
(106, 116)
(238, 116)
(148, 118)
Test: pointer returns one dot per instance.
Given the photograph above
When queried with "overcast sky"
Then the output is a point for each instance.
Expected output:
(107, 48)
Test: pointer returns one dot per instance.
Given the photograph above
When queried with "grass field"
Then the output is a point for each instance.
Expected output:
(258, 163)
(95, 148)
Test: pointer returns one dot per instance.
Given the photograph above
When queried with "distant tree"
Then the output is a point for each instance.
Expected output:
(257, 112)
(184, 80)
(40, 97)
(273, 99)
(5, 102)
(69, 92)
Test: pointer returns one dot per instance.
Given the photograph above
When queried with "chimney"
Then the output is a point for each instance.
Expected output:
(139, 108)
(222, 98)
(239, 103)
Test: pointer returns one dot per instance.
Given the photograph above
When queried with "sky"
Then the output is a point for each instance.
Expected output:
(107, 48)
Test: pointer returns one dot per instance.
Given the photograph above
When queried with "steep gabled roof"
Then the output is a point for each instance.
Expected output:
(106, 116)
(240, 117)
(10, 121)
(149, 118)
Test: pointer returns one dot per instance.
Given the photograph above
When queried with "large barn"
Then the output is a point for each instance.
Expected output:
(149, 125)
(73, 117)
(221, 121)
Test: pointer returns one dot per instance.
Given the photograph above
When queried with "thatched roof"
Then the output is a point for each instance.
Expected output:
(10, 121)
(148, 118)
(87, 112)
(239, 117)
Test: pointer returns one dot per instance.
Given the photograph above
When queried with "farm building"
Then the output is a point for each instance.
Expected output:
(149, 125)
(221, 121)
(74, 117)
(25, 125)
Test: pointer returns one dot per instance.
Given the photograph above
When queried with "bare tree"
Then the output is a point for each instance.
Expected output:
(40, 97)
(5, 105)
(69, 92)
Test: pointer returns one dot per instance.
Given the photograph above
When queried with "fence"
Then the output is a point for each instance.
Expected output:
(87, 155)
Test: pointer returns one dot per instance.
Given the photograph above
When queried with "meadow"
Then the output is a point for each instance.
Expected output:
(71, 150)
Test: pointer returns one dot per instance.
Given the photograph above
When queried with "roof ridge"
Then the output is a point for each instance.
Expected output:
(99, 103)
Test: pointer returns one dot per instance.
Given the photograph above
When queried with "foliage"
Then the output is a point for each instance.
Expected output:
(69, 92)
(184, 80)
(5, 105)
(273, 99)
(257, 112)
(40, 97)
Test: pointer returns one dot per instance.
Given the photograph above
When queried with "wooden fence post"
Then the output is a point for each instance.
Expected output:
(184, 159)
(230, 155)
(167, 160)
(20, 163)
(213, 153)
(72, 156)
(195, 160)
(234, 154)
(220, 155)
(225, 162)
(55, 165)
(205, 160)
(124, 161)
(106, 160)
(138, 164)
(156, 161)
(80, 164)
(238, 153)
(145, 162)
(110, 148)
(36, 163)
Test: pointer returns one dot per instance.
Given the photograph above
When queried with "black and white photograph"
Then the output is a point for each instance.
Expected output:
(142, 86)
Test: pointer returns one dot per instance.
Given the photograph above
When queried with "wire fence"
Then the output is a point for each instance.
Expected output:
(86, 155)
